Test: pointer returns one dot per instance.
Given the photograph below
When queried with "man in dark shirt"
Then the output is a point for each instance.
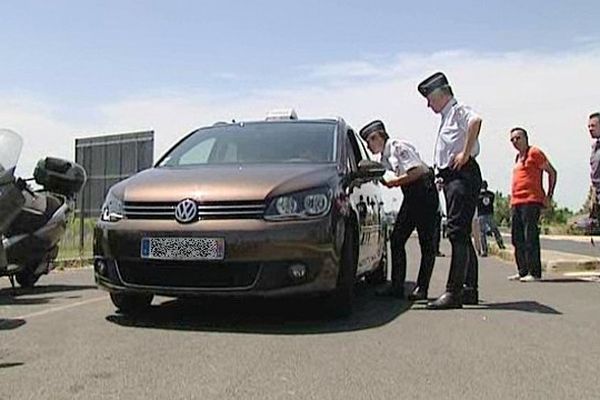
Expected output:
(590, 224)
(485, 212)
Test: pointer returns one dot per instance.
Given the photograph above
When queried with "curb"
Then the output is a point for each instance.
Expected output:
(571, 266)
(554, 261)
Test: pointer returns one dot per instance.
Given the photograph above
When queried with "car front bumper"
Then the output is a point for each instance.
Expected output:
(258, 257)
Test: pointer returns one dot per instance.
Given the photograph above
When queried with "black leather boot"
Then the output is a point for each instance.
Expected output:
(446, 301)
(470, 296)
(418, 294)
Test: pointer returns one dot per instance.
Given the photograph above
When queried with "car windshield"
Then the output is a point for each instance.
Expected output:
(256, 143)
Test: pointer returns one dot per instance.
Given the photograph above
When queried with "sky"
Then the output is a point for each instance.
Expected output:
(71, 69)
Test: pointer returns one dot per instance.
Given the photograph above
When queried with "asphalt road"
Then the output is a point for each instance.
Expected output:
(63, 340)
(575, 246)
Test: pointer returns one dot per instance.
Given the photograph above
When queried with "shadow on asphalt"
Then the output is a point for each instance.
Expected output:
(526, 306)
(10, 296)
(11, 365)
(8, 324)
(563, 280)
(268, 316)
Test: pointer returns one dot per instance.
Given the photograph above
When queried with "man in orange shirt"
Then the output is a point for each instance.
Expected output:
(527, 200)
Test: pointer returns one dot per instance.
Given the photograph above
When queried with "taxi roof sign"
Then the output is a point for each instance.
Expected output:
(282, 113)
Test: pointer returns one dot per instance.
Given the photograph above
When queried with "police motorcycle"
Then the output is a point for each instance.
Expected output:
(32, 222)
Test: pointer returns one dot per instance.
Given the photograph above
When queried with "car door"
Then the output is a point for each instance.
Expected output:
(366, 199)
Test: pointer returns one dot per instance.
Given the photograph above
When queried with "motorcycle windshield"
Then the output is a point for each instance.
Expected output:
(10, 150)
(11, 198)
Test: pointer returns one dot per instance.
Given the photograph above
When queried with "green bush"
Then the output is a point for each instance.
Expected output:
(69, 246)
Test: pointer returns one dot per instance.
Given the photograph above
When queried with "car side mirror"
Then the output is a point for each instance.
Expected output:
(368, 169)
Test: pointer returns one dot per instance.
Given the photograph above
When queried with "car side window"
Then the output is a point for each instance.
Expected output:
(366, 154)
(354, 154)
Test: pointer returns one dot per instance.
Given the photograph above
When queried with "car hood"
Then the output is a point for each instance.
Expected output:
(222, 182)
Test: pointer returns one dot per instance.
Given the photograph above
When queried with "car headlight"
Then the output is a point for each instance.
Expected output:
(306, 204)
(112, 209)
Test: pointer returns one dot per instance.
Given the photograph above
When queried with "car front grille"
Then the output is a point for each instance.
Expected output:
(208, 210)
(189, 274)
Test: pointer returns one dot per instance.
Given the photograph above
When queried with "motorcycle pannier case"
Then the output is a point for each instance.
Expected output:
(59, 176)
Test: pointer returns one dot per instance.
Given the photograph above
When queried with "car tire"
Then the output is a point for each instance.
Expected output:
(342, 301)
(131, 303)
(379, 276)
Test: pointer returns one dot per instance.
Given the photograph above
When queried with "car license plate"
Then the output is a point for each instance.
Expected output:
(177, 248)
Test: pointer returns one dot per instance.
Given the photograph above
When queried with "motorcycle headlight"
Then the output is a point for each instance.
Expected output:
(112, 209)
(301, 205)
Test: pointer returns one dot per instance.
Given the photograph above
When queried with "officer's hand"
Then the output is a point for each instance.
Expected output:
(460, 160)
(547, 202)
(389, 184)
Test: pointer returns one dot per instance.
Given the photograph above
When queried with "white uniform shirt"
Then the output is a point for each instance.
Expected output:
(452, 133)
(399, 156)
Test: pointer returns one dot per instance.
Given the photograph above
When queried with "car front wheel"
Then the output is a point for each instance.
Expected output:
(131, 303)
(379, 276)
(343, 298)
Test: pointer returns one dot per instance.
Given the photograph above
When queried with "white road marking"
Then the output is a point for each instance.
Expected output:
(582, 273)
(61, 308)
(589, 276)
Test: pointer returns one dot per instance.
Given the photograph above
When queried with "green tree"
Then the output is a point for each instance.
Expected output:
(586, 207)
(502, 209)
(551, 216)
(555, 215)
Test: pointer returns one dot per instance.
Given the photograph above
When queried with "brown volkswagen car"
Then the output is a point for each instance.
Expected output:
(266, 208)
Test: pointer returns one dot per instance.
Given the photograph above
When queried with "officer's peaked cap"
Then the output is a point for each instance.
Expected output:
(373, 126)
(435, 81)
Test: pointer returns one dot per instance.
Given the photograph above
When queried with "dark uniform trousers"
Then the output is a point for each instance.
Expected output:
(461, 189)
(418, 210)
(437, 234)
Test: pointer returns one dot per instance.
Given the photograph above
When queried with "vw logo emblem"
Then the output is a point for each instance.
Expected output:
(186, 211)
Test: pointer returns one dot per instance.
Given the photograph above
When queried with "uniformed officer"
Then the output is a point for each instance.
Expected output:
(418, 210)
(456, 147)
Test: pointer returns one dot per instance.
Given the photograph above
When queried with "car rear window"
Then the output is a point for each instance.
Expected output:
(255, 143)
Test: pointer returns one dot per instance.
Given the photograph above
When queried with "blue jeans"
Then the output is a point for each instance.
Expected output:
(486, 222)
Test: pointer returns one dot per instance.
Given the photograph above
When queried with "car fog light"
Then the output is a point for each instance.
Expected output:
(297, 271)
(100, 267)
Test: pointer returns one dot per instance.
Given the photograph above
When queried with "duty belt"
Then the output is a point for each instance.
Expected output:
(448, 174)
(426, 182)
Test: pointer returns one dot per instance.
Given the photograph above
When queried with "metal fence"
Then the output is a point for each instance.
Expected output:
(107, 160)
